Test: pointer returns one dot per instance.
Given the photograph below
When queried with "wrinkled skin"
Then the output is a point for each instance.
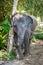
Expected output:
(24, 26)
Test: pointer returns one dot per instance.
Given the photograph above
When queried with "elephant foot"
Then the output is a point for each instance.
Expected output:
(27, 54)
(21, 58)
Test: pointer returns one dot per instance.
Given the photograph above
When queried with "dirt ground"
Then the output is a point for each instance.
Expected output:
(35, 59)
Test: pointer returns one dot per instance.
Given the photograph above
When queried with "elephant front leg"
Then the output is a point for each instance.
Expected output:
(20, 52)
(26, 44)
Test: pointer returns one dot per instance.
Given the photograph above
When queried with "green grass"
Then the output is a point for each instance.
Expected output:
(4, 55)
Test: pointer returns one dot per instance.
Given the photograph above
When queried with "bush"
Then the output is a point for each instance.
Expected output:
(4, 31)
(33, 39)
(39, 36)
(39, 33)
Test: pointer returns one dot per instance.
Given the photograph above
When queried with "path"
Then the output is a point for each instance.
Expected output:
(36, 58)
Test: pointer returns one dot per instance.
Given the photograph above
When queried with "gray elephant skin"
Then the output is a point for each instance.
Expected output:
(23, 27)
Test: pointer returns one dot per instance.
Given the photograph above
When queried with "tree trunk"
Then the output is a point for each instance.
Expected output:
(11, 33)
(10, 40)
(14, 6)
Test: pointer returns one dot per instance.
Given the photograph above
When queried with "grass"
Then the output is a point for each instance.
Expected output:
(4, 55)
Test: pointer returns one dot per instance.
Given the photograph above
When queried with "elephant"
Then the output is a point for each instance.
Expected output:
(23, 28)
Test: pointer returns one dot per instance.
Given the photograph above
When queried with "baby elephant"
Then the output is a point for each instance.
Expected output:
(23, 29)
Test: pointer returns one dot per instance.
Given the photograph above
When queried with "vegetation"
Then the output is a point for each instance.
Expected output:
(4, 55)
(4, 30)
(34, 7)
(39, 34)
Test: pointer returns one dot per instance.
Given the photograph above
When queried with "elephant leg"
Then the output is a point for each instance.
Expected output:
(19, 49)
(26, 43)
(20, 52)
(29, 46)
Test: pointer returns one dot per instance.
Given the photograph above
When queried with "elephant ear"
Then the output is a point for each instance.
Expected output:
(29, 20)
